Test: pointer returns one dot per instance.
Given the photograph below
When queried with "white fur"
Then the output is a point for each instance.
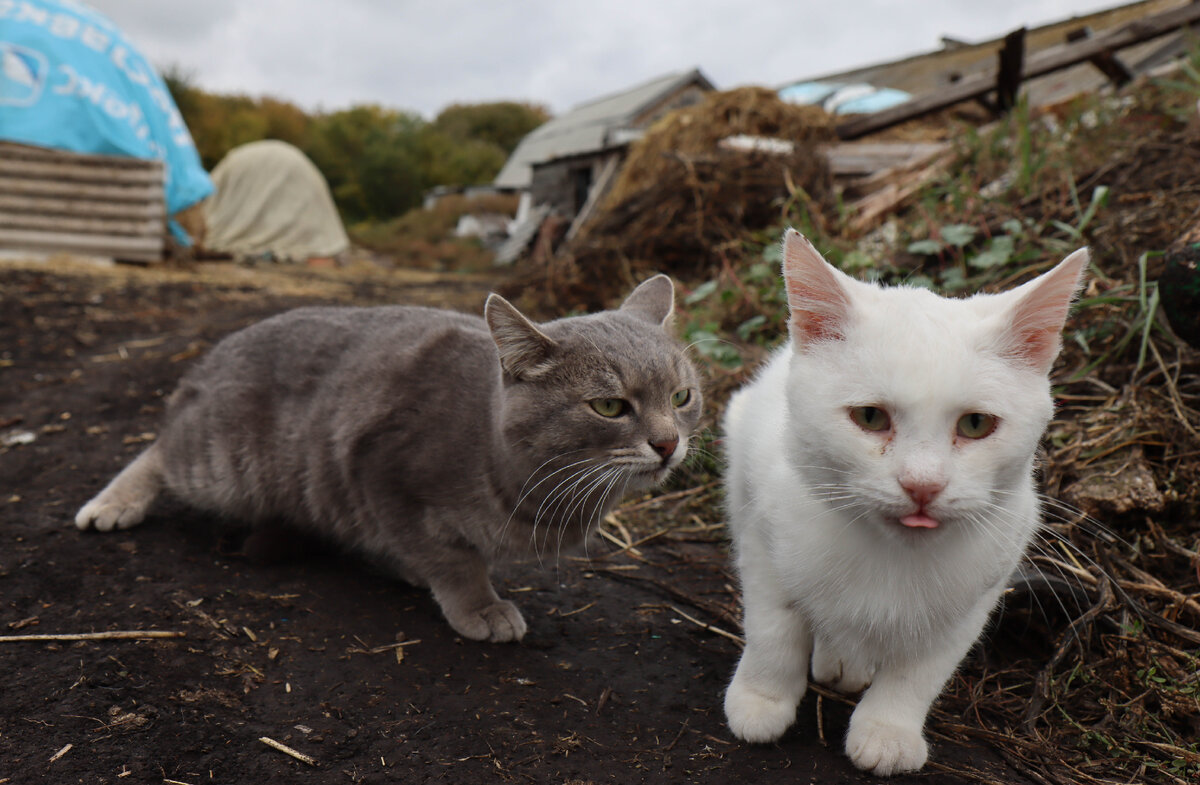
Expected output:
(831, 580)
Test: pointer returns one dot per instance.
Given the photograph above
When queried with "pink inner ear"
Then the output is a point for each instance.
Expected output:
(1037, 347)
(813, 317)
(1038, 317)
(819, 304)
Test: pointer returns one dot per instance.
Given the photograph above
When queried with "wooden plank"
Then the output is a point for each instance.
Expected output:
(82, 208)
(596, 194)
(59, 170)
(59, 223)
(1108, 63)
(891, 192)
(30, 153)
(849, 159)
(134, 193)
(1037, 64)
(138, 248)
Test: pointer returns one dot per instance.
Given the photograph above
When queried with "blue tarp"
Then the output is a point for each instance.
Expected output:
(842, 98)
(70, 80)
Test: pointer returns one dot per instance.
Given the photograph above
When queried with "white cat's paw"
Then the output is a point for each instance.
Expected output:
(499, 622)
(756, 717)
(885, 749)
(108, 511)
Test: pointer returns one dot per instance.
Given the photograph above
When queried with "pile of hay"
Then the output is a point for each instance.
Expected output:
(682, 200)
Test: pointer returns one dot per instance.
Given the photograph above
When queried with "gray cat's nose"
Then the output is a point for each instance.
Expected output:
(665, 449)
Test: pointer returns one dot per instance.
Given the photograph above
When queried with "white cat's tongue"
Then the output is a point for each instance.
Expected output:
(919, 521)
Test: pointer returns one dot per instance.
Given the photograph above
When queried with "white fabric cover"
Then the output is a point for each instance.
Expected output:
(271, 198)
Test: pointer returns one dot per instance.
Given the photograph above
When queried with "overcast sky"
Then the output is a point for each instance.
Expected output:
(421, 55)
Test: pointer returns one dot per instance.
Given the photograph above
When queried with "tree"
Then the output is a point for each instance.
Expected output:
(503, 124)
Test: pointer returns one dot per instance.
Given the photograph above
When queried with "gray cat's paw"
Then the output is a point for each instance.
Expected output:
(499, 622)
(884, 749)
(837, 673)
(755, 717)
(109, 511)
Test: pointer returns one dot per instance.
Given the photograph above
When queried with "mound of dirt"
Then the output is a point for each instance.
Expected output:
(684, 197)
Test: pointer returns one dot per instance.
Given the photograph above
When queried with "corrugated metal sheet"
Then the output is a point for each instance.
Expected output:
(589, 127)
(97, 205)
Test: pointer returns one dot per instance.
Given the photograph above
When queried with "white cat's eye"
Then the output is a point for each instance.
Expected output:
(870, 418)
(976, 425)
(680, 397)
(608, 407)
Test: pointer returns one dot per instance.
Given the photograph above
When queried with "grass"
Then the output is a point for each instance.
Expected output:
(423, 238)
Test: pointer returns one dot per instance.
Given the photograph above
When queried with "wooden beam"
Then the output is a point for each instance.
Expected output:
(134, 193)
(1109, 64)
(31, 153)
(1008, 71)
(83, 208)
(59, 170)
(143, 249)
(61, 223)
(1037, 64)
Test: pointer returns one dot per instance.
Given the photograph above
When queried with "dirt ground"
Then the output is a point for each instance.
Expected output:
(617, 681)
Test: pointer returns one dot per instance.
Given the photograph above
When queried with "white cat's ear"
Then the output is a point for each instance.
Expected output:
(524, 349)
(653, 300)
(1033, 335)
(817, 297)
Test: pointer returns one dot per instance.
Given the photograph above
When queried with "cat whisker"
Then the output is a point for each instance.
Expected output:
(562, 493)
(526, 491)
(608, 478)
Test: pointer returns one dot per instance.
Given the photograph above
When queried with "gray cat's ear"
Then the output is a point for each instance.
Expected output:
(653, 300)
(524, 349)
(1032, 336)
(817, 296)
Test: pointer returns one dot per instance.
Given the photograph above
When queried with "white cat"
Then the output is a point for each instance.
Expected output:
(880, 493)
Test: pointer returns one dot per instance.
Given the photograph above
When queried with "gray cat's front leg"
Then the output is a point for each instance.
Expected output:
(124, 501)
(462, 588)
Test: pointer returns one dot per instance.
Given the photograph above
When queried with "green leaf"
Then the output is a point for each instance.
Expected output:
(953, 279)
(715, 348)
(760, 271)
(700, 292)
(747, 328)
(958, 235)
(1013, 226)
(857, 260)
(925, 247)
(1000, 251)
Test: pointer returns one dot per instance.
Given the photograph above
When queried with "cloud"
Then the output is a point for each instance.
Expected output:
(423, 56)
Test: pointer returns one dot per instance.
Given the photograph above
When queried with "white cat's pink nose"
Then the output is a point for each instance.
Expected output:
(922, 492)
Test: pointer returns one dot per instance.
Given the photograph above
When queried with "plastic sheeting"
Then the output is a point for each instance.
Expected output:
(271, 199)
(840, 98)
(70, 80)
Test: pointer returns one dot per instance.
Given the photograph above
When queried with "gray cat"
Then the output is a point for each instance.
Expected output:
(434, 440)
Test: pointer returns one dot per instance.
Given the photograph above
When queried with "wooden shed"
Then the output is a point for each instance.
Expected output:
(565, 165)
(53, 201)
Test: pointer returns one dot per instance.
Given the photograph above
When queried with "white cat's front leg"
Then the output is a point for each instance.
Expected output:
(772, 674)
(886, 729)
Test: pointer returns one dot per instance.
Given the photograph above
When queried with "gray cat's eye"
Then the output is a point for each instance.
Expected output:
(976, 425)
(680, 397)
(870, 418)
(608, 407)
